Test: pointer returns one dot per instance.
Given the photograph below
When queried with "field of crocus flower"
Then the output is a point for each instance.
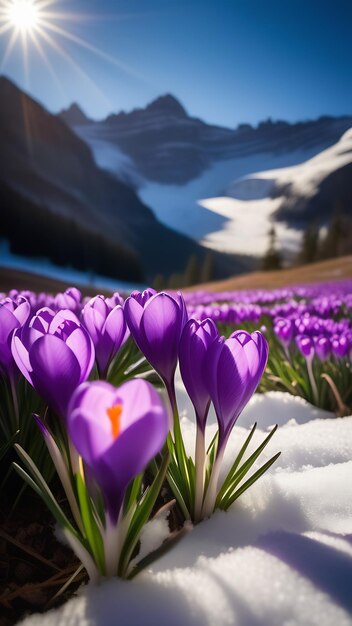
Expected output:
(120, 414)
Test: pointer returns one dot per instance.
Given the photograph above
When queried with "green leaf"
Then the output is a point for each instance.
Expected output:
(227, 482)
(250, 481)
(174, 486)
(242, 471)
(133, 492)
(41, 487)
(140, 517)
(90, 526)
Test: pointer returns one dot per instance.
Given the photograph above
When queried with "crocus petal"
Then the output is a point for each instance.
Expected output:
(115, 459)
(133, 312)
(160, 348)
(55, 371)
(22, 341)
(93, 320)
(41, 321)
(194, 344)
(22, 312)
(63, 316)
(82, 346)
(8, 323)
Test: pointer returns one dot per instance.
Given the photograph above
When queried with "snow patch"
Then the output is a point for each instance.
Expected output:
(281, 555)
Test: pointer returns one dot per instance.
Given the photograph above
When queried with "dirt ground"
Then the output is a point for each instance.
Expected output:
(333, 269)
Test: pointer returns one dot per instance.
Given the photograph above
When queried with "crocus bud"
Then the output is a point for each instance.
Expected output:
(55, 354)
(322, 347)
(156, 322)
(233, 369)
(107, 328)
(13, 314)
(195, 341)
(284, 330)
(305, 345)
(340, 346)
(70, 299)
(117, 431)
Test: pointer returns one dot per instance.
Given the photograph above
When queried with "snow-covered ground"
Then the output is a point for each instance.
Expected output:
(281, 556)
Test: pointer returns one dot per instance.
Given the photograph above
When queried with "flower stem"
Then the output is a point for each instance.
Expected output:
(199, 469)
(312, 381)
(342, 408)
(210, 498)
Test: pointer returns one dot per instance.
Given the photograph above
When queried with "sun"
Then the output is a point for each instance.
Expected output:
(39, 26)
(24, 15)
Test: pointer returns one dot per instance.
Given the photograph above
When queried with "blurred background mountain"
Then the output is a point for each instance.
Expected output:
(157, 195)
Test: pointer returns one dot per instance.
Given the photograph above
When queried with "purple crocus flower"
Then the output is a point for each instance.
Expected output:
(340, 346)
(55, 354)
(13, 314)
(233, 370)
(307, 348)
(117, 431)
(322, 347)
(71, 300)
(156, 321)
(107, 328)
(305, 345)
(284, 330)
(195, 341)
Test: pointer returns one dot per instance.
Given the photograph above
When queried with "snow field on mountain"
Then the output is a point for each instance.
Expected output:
(250, 209)
(180, 206)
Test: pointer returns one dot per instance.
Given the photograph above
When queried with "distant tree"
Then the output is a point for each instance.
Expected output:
(192, 272)
(272, 258)
(338, 238)
(175, 281)
(159, 282)
(208, 268)
(310, 245)
(35, 231)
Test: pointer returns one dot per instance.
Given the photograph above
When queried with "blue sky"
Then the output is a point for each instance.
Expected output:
(228, 61)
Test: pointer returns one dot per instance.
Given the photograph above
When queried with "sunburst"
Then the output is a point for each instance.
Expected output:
(38, 25)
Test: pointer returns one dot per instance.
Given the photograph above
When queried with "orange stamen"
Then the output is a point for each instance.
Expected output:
(114, 414)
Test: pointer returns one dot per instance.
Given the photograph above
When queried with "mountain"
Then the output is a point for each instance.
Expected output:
(49, 176)
(291, 198)
(314, 190)
(74, 116)
(166, 145)
(203, 179)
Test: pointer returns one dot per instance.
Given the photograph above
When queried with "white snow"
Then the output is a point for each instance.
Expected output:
(250, 207)
(282, 555)
(229, 207)
(245, 230)
(306, 177)
(179, 206)
(107, 155)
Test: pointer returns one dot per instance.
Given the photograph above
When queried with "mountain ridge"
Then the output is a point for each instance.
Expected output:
(46, 164)
(169, 146)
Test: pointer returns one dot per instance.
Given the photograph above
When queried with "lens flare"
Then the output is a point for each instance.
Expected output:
(39, 28)
(24, 15)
